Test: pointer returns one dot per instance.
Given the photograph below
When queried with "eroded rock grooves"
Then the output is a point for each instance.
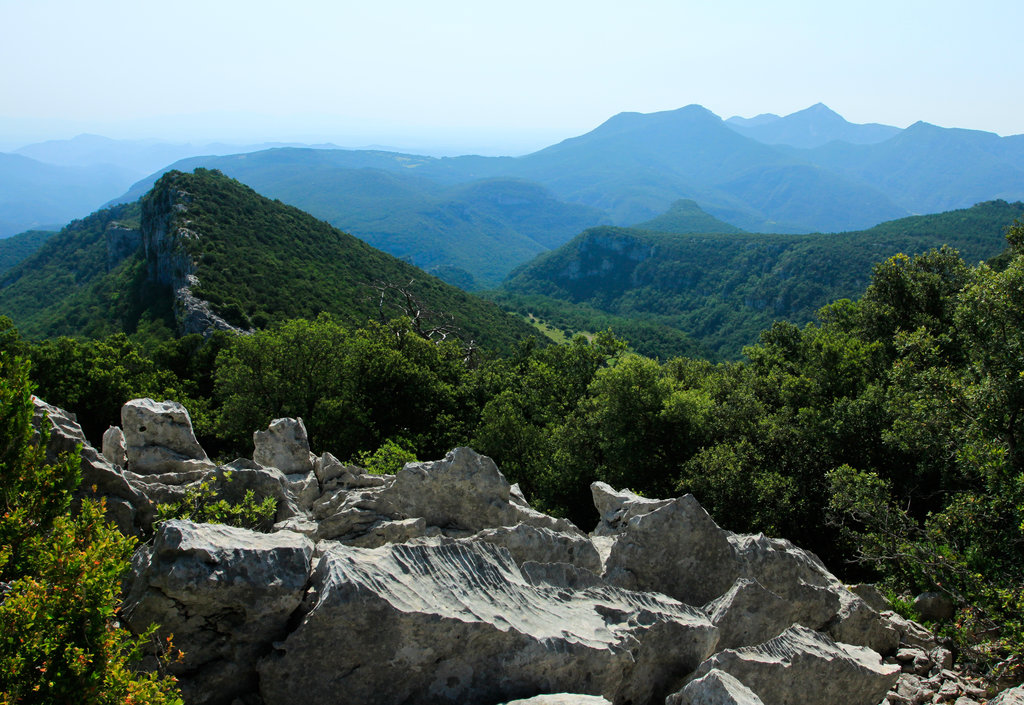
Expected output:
(440, 584)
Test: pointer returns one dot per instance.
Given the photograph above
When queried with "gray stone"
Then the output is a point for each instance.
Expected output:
(128, 507)
(1013, 696)
(910, 632)
(114, 448)
(160, 439)
(464, 491)
(781, 670)
(674, 547)
(714, 688)
(528, 543)
(942, 658)
(561, 699)
(225, 594)
(934, 606)
(749, 613)
(669, 546)
(456, 622)
(871, 595)
(283, 445)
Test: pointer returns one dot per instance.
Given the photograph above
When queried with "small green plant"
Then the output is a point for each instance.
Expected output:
(204, 503)
(386, 460)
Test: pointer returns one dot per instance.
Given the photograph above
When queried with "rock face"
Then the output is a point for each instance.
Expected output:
(159, 438)
(805, 667)
(458, 623)
(440, 584)
(225, 593)
(714, 688)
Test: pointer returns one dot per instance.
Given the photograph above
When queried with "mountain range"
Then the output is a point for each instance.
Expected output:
(472, 219)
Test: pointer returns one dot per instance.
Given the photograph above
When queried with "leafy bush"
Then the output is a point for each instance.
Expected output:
(60, 577)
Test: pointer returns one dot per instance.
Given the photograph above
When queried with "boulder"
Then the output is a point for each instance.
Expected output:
(528, 543)
(159, 438)
(871, 595)
(225, 594)
(130, 509)
(674, 547)
(283, 445)
(805, 667)
(934, 606)
(114, 447)
(1013, 696)
(714, 688)
(749, 613)
(456, 622)
(669, 546)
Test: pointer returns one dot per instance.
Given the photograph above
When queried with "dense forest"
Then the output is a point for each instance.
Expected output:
(887, 437)
(721, 289)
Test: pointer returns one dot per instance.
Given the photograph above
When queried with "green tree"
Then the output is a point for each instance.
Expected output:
(60, 577)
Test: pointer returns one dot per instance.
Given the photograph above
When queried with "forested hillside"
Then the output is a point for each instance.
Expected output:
(256, 260)
(721, 290)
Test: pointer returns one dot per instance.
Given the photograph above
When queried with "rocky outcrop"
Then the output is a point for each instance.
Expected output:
(714, 688)
(673, 546)
(805, 667)
(226, 594)
(457, 623)
(441, 584)
(165, 241)
(159, 439)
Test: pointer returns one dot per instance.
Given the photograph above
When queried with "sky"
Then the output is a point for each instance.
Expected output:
(492, 76)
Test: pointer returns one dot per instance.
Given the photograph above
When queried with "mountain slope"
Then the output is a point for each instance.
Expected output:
(252, 261)
(927, 168)
(723, 289)
(480, 228)
(685, 216)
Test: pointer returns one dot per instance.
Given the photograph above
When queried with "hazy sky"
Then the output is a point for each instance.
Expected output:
(509, 73)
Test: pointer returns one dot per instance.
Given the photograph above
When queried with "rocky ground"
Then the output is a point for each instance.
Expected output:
(440, 584)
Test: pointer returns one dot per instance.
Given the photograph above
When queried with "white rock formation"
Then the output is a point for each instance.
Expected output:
(160, 439)
(456, 622)
(714, 688)
(441, 584)
(805, 667)
(114, 447)
(225, 593)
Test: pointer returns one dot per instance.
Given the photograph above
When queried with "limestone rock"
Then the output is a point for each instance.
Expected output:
(465, 491)
(127, 506)
(1013, 696)
(561, 699)
(714, 688)
(804, 667)
(225, 593)
(456, 622)
(749, 613)
(871, 595)
(283, 445)
(160, 439)
(674, 547)
(670, 546)
(527, 543)
(114, 448)
(934, 606)
(910, 632)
